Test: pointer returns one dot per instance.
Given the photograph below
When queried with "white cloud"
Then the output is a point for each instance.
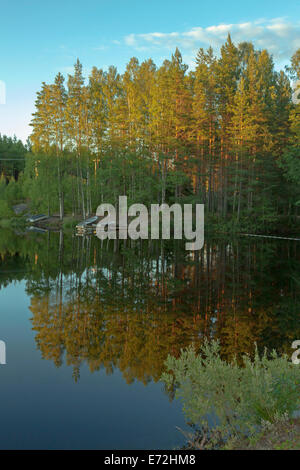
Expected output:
(280, 36)
(130, 40)
(67, 69)
(100, 48)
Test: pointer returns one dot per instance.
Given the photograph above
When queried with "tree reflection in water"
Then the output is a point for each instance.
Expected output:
(127, 306)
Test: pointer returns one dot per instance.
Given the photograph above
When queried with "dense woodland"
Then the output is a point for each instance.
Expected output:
(226, 134)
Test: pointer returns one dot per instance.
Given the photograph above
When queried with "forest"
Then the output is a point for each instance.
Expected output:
(226, 134)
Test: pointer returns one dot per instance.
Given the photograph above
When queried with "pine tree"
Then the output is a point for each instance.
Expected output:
(76, 126)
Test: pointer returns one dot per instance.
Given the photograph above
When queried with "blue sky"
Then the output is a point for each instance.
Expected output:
(40, 38)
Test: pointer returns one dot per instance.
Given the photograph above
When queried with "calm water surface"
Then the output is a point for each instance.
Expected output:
(88, 327)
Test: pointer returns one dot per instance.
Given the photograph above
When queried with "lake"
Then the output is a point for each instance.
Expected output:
(88, 325)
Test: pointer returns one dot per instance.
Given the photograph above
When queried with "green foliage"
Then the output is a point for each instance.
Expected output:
(13, 192)
(239, 398)
(12, 155)
(290, 163)
(70, 223)
(5, 211)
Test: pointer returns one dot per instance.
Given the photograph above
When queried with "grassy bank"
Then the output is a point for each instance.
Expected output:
(282, 435)
(52, 223)
(13, 222)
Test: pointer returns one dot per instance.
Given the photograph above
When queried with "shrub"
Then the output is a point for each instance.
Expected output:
(70, 222)
(237, 400)
(5, 210)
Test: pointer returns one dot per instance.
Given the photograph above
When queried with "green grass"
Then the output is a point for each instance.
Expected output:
(70, 222)
(5, 223)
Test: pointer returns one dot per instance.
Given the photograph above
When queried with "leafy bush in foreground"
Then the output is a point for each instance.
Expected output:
(238, 400)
